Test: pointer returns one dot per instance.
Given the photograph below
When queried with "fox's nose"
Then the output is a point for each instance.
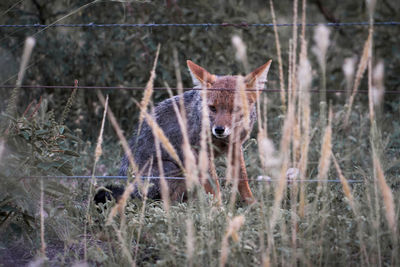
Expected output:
(219, 130)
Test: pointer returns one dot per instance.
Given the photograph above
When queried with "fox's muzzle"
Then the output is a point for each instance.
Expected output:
(220, 131)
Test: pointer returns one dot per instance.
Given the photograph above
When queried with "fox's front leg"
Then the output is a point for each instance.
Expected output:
(209, 188)
(244, 188)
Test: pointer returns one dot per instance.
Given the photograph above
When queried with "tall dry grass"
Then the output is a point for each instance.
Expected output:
(292, 223)
(279, 56)
(321, 39)
(97, 154)
(362, 66)
(307, 206)
(28, 48)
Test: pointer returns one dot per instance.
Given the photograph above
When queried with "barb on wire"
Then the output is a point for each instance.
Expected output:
(259, 179)
(8, 86)
(202, 25)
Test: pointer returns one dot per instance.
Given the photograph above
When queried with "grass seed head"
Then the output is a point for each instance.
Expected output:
(387, 195)
(326, 150)
(378, 88)
(240, 47)
(348, 68)
(321, 39)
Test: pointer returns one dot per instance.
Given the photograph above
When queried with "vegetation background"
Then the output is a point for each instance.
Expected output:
(120, 56)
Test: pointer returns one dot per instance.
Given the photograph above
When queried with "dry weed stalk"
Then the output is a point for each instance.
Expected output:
(126, 250)
(240, 83)
(69, 104)
(303, 25)
(142, 215)
(42, 241)
(205, 124)
(178, 75)
(278, 52)
(379, 176)
(206, 157)
(191, 174)
(371, 7)
(98, 151)
(235, 149)
(190, 242)
(164, 185)
(160, 135)
(362, 65)
(293, 88)
(385, 190)
(232, 231)
(240, 103)
(321, 39)
(290, 70)
(301, 138)
(296, 137)
(326, 149)
(129, 189)
(232, 170)
(37, 106)
(349, 196)
(244, 102)
(371, 4)
(296, 141)
(326, 152)
(1, 148)
(12, 104)
(121, 137)
(148, 92)
(287, 135)
(121, 204)
(387, 195)
(345, 186)
(282, 183)
(305, 79)
(97, 155)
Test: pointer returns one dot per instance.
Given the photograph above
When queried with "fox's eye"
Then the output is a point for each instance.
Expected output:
(237, 109)
(212, 108)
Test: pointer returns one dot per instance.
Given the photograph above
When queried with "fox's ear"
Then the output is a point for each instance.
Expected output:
(200, 76)
(258, 78)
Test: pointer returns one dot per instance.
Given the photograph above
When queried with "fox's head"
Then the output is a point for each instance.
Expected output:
(225, 108)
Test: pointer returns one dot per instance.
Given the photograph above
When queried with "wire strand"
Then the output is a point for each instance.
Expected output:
(8, 86)
(202, 25)
(259, 179)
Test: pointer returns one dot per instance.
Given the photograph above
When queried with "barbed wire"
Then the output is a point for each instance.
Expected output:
(192, 25)
(258, 179)
(9, 86)
(201, 25)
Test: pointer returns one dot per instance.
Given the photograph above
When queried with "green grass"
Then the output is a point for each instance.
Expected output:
(329, 233)
(323, 230)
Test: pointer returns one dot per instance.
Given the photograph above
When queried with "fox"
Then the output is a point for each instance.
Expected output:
(225, 118)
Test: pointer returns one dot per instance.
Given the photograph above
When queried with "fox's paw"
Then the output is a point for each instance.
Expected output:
(250, 200)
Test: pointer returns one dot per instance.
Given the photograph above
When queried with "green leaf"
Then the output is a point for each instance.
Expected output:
(41, 132)
(71, 153)
(70, 136)
(26, 135)
(48, 165)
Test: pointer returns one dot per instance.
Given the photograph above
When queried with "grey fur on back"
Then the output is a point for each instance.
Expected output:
(143, 145)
